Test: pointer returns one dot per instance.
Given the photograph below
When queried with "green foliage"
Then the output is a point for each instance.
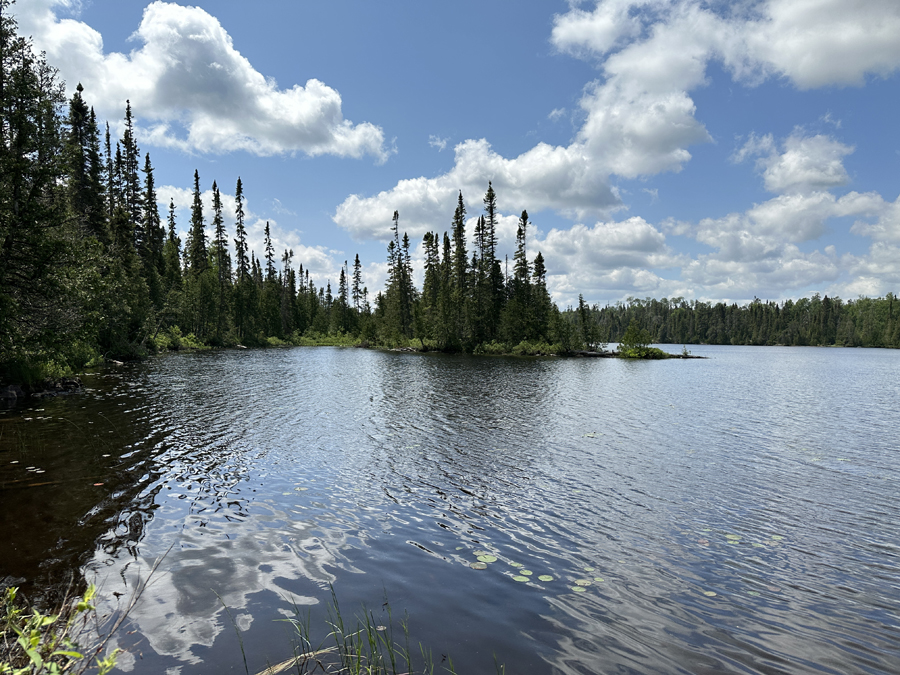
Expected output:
(635, 344)
(35, 643)
(865, 322)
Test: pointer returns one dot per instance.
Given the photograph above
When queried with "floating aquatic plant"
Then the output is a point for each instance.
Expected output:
(519, 577)
(579, 589)
(487, 558)
(583, 582)
(526, 573)
(545, 577)
(478, 566)
(710, 594)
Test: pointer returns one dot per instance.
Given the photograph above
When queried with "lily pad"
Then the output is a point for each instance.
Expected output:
(579, 589)
(733, 537)
(588, 569)
(710, 594)
(526, 573)
(482, 552)
(545, 577)
(478, 566)
(515, 564)
(600, 579)
(777, 537)
(752, 592)
(583, 582)
(487, 558)
(519, 577)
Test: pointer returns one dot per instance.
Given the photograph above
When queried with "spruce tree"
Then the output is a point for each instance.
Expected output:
(270, 254)
(223, 262)
(84, 169)
(35, 311)
(172, 252)
(197, 254)
(357, 283)
(240, 242)
(155, 235)
(131, 181)
(460, 271)
(151, 250)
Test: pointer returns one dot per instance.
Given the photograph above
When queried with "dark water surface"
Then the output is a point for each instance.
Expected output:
(739, 514)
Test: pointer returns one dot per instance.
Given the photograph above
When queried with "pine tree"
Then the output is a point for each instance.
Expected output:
(198, 259)
(131, 179)
(83, 166)
(541, 303)
(270, 255)
(357, 283)
(518, 314)
(151, 251)
(35, 313)
(109, 176)
(460, 271)
(287, 293)
(223, 262)
(240, 243)
(152, 225)
(172, 252)
(431, 287)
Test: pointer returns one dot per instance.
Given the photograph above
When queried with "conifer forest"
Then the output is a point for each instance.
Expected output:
(91, 270)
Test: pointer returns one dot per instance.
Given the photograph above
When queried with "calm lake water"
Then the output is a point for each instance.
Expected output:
(732, 515)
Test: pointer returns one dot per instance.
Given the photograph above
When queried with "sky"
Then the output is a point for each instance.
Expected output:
(719, 151)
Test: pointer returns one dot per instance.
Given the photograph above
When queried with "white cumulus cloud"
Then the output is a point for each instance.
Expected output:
(192, 89)
(806, 164)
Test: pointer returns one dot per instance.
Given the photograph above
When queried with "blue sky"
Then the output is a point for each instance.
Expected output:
(709, 150)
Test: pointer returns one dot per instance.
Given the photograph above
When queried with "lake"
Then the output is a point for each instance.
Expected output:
(737, 514)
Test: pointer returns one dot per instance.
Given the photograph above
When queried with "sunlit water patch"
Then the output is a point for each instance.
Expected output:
(736, 514)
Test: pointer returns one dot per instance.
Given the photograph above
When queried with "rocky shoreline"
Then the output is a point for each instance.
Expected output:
(10, 394)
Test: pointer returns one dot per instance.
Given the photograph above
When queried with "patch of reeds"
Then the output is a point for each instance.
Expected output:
(361, 647)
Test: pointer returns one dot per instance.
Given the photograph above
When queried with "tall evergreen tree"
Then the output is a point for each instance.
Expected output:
(154, 234)
(84, 168)
(172, 252)
(32, 202)
(240, 242)
(357, 283)
(223, 262)
(198, 259)
(270, 254)
(131, 157)
(460, 270)
(151, 251)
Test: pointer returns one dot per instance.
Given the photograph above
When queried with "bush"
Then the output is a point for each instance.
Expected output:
(32, 642)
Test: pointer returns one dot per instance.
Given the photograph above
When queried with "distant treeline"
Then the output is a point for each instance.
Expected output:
(864, 322)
